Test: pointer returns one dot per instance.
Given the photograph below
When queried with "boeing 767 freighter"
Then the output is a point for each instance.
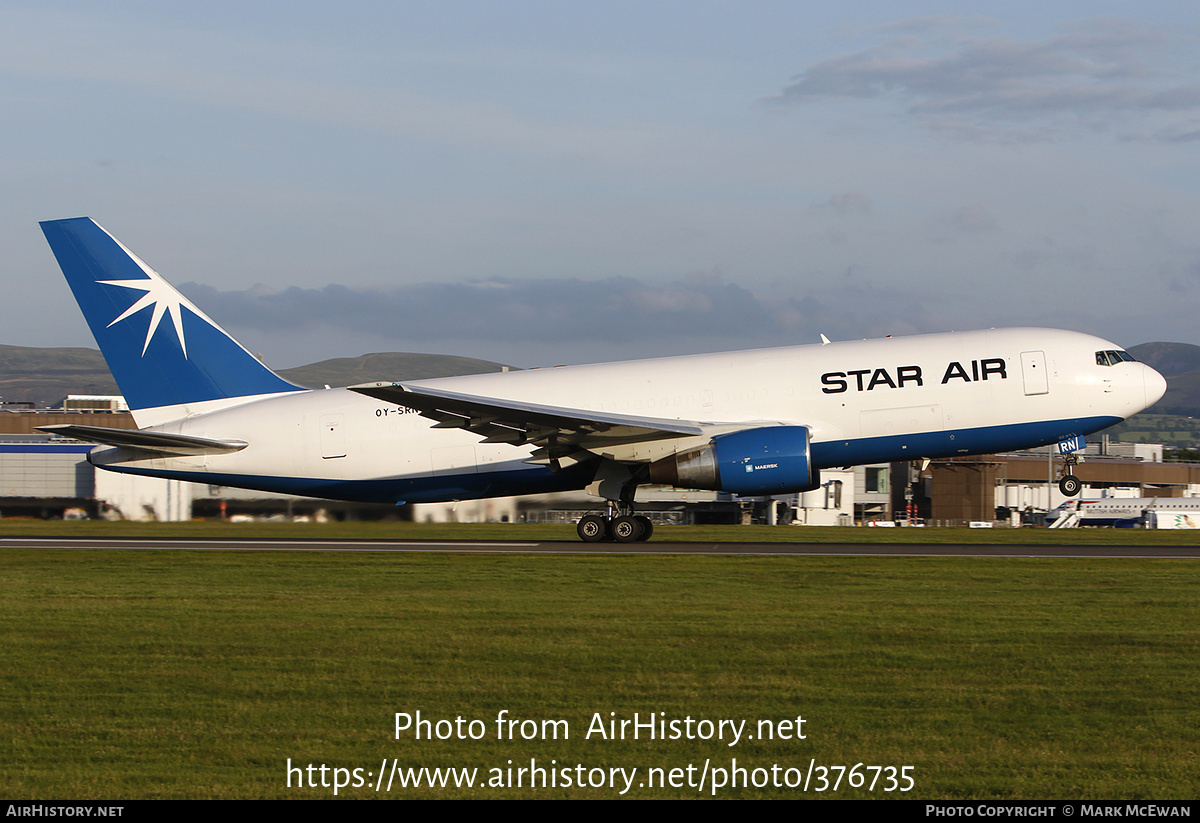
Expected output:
(754, 423)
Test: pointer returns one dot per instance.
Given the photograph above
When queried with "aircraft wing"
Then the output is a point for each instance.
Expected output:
(171, 444)
(557, 432)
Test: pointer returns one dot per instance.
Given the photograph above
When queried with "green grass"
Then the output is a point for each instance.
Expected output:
(393, 530)
(132, 674)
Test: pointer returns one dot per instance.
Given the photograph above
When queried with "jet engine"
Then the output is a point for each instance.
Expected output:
(753, 462)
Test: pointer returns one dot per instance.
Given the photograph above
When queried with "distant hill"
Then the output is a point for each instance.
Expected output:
(1169, 358)
(45, 376)
(1180, 364)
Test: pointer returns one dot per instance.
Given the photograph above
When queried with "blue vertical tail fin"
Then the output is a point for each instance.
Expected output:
(162, 350)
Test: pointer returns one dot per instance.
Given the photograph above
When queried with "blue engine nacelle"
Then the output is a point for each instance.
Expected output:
(753, 463)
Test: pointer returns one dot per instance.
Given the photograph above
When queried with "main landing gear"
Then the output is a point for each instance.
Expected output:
(620, 524)
(1069, 484)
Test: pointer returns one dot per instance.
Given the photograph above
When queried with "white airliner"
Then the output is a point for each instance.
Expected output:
(1184, 512)
(754, 423)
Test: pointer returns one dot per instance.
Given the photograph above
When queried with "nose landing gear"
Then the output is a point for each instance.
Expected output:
(1069, 484)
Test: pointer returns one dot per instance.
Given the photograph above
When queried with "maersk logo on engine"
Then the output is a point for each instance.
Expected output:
(750, 467)
(836, 382)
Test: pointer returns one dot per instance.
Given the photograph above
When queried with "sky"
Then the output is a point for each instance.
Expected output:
(541, 183)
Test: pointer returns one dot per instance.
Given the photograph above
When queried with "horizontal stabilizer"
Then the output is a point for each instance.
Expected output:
(173, 444)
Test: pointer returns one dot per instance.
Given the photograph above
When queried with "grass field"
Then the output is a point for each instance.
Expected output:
(393, 530)
(133, 674)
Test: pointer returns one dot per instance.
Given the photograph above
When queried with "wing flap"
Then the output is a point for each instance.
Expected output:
(171, 444)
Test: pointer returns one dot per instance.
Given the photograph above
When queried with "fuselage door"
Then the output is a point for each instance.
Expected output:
(1033, 371)
(333, 436)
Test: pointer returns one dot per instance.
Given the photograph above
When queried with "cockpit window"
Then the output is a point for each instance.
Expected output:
(1112, 358)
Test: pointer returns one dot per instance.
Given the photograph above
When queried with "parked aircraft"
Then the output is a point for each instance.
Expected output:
(754, 423)
(1123, 511)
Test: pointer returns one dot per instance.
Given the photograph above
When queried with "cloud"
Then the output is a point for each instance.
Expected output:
(846, 203)
(1175, 136)
(699, 311)
(973, 218)
(500, 309)
(1100, 75)
(540, 322)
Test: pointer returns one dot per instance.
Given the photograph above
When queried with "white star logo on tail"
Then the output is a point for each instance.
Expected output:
(160, 294)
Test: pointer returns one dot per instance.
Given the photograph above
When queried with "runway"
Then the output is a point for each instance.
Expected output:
(578, 548)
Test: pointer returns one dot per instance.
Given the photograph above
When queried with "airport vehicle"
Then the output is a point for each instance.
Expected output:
(754, 423)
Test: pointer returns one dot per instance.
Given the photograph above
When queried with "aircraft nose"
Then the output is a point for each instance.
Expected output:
(1156, 386)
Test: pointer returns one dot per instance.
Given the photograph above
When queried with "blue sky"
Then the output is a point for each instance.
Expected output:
(562, 182)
